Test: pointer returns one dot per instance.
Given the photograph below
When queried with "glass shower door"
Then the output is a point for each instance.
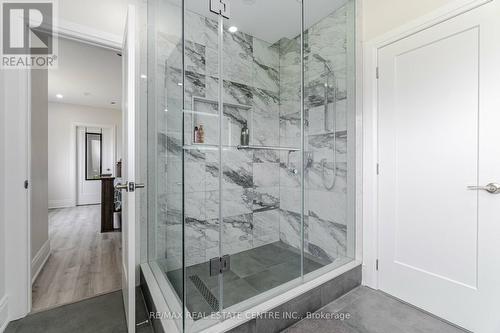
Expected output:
(262, 221)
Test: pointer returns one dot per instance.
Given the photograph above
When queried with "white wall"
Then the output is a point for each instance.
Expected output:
(62, 154)
(381, 16)
(40, 248)
(15, 135)
(3, 306)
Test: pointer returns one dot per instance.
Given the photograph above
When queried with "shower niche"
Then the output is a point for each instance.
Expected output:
(273, 208)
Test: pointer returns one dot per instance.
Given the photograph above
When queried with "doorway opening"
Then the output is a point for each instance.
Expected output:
(75, 236)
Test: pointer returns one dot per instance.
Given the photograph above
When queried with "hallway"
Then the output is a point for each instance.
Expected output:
(83, 263)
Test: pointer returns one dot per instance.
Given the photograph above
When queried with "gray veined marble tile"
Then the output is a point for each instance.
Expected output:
(291, 228)
(237, 168)
(266, 174)
(327, 238)
(235, 119)
(266, 227)
(200, 236)
(316, 118)
(265, 120)
(237, 233)
(194, 86)
(194, 175)
(266, 198)
(329, 205)
(195, 58)
(265, 77)
(194, 206)
(265, 53)
(235, 202)
(237, 93)
(290, 199)
(195, 28)
(238, 57)
(266, 155)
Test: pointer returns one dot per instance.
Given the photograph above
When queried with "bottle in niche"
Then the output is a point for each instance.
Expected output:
(196, 133)
(201, 134)
(245, 136)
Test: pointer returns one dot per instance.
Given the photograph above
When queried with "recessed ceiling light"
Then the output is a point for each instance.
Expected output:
(179, 84)
(232, 29)
(59, 96)
(144, 76)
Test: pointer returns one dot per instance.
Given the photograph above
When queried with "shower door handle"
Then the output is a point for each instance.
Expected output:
(492, 188)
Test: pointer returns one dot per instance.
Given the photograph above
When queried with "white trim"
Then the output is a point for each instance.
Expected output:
(158, 299)
(87, 35)
(4, 313)
(39, 260)
(61, 203)
(23, 239)
(73, 151)
(370, 120)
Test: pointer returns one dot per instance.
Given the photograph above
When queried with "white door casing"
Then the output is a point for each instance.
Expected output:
(438, 116)
(128, 172)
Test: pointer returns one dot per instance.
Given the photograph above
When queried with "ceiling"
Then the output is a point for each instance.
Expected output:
(86, 75)
(270, 20)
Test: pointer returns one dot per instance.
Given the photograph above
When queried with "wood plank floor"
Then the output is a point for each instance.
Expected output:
(83, 263)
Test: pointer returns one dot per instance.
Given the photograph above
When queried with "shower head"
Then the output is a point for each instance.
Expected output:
(327, 63)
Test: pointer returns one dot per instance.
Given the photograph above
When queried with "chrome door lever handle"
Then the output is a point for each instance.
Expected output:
(121, 187)
(492, 188)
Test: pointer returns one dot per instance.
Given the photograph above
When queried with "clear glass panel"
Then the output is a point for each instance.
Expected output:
(329, 105)
(201, 160)
(93, 162)
(262, 183)
(264, 143)
(165, 154)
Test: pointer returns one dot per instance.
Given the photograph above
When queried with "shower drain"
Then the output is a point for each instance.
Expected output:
(205, 292)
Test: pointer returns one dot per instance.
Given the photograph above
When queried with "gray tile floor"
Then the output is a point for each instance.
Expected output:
(371, 311)
(252, 272)
(101, 314)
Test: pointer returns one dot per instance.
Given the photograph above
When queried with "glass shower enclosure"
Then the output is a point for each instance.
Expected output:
(251, 112)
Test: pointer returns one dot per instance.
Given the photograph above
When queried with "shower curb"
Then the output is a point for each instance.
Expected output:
(308, 302)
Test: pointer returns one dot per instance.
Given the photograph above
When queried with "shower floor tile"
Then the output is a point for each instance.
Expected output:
(252, 273)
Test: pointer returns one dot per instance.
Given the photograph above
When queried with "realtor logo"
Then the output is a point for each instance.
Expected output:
(28, 34)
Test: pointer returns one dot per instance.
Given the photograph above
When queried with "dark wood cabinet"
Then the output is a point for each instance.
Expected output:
(107, 204)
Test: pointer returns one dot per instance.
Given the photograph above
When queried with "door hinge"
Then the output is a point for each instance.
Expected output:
(26, 184)
(377, 75)
(376, 264)
(220, 7)
(378, 169)
(220, 265)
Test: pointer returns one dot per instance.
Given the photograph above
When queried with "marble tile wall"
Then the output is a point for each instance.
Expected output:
(250, 178)
(261, 193)
(325, 205)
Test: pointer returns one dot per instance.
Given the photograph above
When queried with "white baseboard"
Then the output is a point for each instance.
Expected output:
(4, 314)
(64, 203)
(39, 260)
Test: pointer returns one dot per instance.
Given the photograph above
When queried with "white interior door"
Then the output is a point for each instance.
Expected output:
(128, 172)
(439, 118)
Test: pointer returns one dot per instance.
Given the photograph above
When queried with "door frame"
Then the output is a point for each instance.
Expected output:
(74, 151)
(21, 291)
(371, 48)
